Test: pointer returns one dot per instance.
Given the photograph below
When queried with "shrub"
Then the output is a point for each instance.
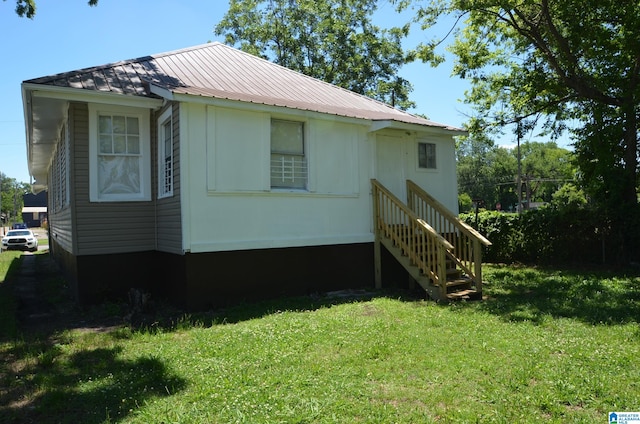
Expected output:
(548, 236)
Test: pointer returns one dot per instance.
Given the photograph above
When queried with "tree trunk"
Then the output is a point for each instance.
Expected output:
(629, 210)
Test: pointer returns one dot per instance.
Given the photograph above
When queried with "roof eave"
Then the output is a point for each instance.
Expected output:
(378, 125)
(45, 110)
(90, 96)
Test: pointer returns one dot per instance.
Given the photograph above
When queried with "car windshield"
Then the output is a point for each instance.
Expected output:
(18, 233)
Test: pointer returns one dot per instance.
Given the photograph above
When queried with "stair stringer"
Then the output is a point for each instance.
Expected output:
(425, 282)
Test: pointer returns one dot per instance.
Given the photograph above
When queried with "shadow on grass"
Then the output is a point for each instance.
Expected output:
(531, 294)
(9, 266)
(91, 386)
(43, 380)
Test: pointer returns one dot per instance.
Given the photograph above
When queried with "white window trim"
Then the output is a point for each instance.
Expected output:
(305, 147)
(145, 152)
(162, 120)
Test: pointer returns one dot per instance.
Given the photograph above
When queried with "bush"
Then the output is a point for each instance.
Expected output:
(547, 236)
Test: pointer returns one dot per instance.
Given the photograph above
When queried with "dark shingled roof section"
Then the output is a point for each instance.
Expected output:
(219, 71)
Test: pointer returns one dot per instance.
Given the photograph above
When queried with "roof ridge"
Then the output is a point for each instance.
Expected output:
(186, 49)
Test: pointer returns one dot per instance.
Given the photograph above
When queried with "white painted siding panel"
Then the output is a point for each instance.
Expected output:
(441, 182)
(232, 207)
(333, 158)
(239, 141)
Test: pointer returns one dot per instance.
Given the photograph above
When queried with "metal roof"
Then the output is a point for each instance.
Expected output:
(220, 71)
(208, 71)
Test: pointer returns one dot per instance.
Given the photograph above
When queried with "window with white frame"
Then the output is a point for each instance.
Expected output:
(288, 158)
(165, 155)
(427, 155)
(119, 154)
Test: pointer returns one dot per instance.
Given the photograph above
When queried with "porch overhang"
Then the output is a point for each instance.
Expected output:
(379, 125)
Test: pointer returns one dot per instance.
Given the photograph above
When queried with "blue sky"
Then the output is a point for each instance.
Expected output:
(66, 36)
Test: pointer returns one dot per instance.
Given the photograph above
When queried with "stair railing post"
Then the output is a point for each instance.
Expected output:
(442, 271)
(477, 258)
(377, 254)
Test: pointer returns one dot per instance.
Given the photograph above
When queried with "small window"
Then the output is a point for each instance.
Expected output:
(427, 155)
(288, 159)
(165, 155)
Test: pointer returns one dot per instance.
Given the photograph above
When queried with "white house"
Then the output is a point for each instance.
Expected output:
(207, 175)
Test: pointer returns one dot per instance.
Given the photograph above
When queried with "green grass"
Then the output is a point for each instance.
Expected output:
(9, 263)
(547, 346)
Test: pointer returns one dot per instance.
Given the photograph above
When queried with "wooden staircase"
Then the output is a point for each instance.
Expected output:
(440, 252)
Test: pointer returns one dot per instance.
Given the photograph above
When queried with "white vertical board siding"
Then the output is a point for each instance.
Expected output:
(441, 182)
(333, 157)
(237, 146)
(397, 161)
(391, 162)
(231, 204)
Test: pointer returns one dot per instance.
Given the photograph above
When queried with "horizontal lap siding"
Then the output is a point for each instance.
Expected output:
(61, 221)
(168, 211)
(106, 227)
(60, 228)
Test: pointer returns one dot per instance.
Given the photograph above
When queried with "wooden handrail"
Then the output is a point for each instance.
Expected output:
(419, 241)
(467, 242)
(463, 226)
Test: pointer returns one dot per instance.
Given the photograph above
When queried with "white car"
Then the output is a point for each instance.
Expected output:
(20, 240)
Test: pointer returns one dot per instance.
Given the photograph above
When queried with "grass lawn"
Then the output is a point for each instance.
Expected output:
(547, 346)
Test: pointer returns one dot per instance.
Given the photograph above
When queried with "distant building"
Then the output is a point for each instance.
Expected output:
(34, 212)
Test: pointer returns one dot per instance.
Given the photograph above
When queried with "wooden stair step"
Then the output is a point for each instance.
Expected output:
(469, 294)
(458, 282)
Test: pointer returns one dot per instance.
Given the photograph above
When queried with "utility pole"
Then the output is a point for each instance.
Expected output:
(519, 177)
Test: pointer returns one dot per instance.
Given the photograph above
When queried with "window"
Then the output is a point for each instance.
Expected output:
(59, 187)
(288, 160)
(427, 155)
(165, 155)
(119, 154)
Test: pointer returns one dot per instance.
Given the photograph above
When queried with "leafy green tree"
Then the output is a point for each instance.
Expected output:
(545, 167)
(569, 196)
(27, 8)
(475, 173)
(11, 197)
(334, 41)
(465, 202)
(543, 62)
(489, 173)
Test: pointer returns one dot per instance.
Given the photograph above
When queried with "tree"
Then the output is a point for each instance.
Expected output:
(569, 197)
(545, 168)
(334, 41)
(489, 173)
(475, 173)
(11, 197)
(27, 8)
(546, 61)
